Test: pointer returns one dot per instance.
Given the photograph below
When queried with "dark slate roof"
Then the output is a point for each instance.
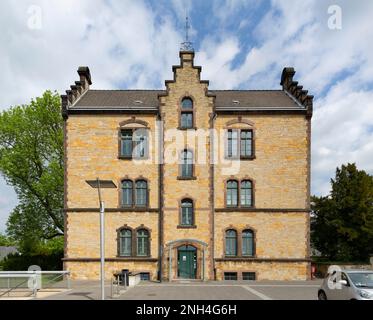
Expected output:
(241, 100)
(119, 99)
(226, 100)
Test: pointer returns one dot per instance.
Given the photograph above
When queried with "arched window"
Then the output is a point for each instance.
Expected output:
(187, 212)
(125, 243)
(231, 242)
(141, 193)
(248, 243)
(187, 164)
(127, 193)
(232, 193)
(186, 115)
(142, 242)
(246, 193)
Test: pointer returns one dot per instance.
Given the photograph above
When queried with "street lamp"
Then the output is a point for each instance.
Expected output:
(98, 184)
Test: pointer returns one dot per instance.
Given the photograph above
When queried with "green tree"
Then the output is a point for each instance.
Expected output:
(342, 223)
(5, 241)
(31, 160)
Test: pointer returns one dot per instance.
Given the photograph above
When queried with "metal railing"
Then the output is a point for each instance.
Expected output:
(28, 283)
(118, 284)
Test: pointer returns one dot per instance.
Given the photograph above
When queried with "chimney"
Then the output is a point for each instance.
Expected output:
(85, 77)
(287, 77)
(292, 87)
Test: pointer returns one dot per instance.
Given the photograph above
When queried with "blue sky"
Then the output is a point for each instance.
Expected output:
(240, 44)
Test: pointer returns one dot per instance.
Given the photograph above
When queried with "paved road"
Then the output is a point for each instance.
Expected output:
(226, 290)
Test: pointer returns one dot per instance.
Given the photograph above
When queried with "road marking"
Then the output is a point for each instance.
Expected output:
(257, 293)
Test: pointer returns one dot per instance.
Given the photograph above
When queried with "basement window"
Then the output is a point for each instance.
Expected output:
(230, 275)
(248, 276)
(145, 276)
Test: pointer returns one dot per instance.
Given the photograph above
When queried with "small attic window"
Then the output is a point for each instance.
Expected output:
(236, 102)
(138, 102)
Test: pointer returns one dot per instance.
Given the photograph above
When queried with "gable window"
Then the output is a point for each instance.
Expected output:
(125, 243)
(187, 212)
(127, 195)
(231, 243)
(187, 164)
(246, 193)
(232, 193)
(142, 242)
(248, 243)
(141, 193)
(186, 114)
(134, 143)
(240, 144)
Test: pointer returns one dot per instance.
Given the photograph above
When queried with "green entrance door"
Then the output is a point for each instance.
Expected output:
(187, 262)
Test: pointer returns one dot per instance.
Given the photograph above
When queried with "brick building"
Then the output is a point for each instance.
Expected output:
(211, 184)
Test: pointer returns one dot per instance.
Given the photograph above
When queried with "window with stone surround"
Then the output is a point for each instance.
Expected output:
(127, 193)
(239, 194)
(141, 196)
(134, 143)
(231, 243)
(187, 213)
(142, 240)
(232, 193)
(247, 243)
(186, 170)
(125, 243)
(134, 195)
(239, 144)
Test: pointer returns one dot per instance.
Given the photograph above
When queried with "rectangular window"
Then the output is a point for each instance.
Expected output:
(246, 143)
(126, 143)
(186, 216)
(134, 143)
(232, 143)
(141, 193)
(186, 121)
(125, 247)
(248, 276)
(247, 246)
(140, 142)
(145, 276)
(230, 275)
(142, 247)
(231, 247)
(127, 196)
(232, 194)
(187, 170)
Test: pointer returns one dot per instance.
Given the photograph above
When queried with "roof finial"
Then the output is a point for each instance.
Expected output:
(187, 45)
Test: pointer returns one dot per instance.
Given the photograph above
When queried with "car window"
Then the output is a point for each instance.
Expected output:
(344, 277)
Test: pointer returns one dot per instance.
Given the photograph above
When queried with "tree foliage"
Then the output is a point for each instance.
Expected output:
(342, 223)
(31, 160)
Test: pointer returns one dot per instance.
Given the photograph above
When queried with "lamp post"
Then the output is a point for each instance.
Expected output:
(98, 184)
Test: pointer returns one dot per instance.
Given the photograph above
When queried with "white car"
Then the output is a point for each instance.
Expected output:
(347, 285)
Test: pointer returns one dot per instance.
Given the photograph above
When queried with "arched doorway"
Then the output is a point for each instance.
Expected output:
(187, 262)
